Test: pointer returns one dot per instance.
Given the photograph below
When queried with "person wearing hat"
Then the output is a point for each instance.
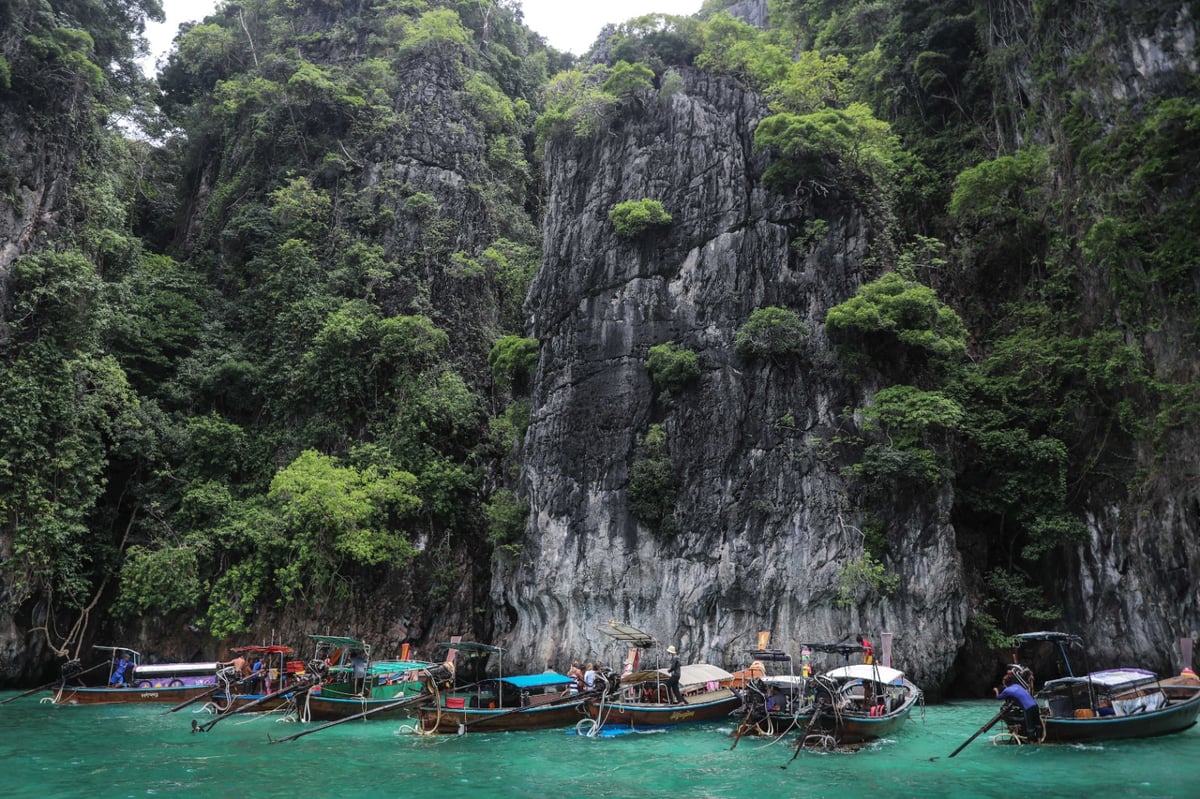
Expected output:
(673, 671)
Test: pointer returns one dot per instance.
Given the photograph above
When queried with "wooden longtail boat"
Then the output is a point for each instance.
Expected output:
(1105, 705)
(856, 704)
(385, 682)
(272, 669)
(516, 702)
(640, 699)
(162, 683)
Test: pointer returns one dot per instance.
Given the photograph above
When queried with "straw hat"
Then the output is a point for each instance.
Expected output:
(670, 650)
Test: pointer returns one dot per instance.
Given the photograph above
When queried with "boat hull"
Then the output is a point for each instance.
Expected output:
(170, 694)
(716, 705)
(318, 707)
(459, 720)
(1173, 718)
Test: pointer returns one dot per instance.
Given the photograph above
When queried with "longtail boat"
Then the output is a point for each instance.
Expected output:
(162, 683)
(1103, 705)
(855, 703)
(269, 668)
(515, 702)
(639, 698)
(383, 682)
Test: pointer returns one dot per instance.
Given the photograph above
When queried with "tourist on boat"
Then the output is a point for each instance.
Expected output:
(869, 653)
(576, 674)
(117, 680)
(1015, 692)
(589, 677)
(673, 672)
(776, 700)
(359, 664)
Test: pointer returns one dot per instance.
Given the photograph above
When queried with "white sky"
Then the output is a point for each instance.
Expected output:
(569, 26)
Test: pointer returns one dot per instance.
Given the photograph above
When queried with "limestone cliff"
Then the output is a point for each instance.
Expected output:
(765, 520)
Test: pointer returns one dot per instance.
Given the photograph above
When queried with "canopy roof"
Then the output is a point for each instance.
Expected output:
(1109, 678)
(772, 655)
(840, 648)
(266, 650)
(340, 641)
(693, 674)
(629, 635)
(1046, 635)
(864, 671)
(472, 646)
(536, 680)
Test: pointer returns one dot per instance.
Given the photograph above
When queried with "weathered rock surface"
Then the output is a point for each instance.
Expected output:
(765, 521)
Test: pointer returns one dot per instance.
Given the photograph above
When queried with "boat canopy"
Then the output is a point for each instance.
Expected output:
(692, 674)
(175, 669)
(840, 648)
(771, 655)
(536, 680)
(1109, 678)
(865, 671)
(264, 650)
(472, 646)
(628, 635)
(342, 641)
(1046, 635)
(785, 680)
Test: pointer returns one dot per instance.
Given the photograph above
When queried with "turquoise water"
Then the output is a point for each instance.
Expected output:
(140, 751)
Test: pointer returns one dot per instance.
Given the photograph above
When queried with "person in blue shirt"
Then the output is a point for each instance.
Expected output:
(117, 680)
(1017, 694)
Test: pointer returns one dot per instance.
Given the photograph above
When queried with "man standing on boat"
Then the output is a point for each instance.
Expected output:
(117, 680)
(1015, 692)
(673, 671)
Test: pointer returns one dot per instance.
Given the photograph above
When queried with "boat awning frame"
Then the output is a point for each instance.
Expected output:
(627, 634)
(473, 646)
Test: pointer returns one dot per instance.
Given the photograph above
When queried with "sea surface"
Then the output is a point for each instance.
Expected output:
(49, 751)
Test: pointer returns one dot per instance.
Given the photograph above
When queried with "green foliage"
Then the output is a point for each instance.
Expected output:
(1002, 191)
(332, 514)
(574, 103)
(657, 40)
(672, 366)
(506, 515)
(904, 310)
(5, 74)
(771, 333)
(860, 576)
(159, 581)
(736, 48)
(627, 79)
(436, 30)
(513, 359)
(299, 209)
(652, 487)
(913, 426)
(812, 81)
(822, 144)
(632, 218)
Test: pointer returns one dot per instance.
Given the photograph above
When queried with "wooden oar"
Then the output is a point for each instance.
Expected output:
(60, 680)
(412, 700)
(295, 689)
(981, 730)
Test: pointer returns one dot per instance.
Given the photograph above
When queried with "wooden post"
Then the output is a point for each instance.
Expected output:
(887, 650)
(1185, 650)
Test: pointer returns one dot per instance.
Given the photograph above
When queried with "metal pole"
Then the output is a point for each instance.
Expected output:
(887, 649)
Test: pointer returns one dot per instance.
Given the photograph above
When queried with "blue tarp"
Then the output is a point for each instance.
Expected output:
(537, 680)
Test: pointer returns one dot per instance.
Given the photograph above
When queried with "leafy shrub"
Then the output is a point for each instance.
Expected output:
(906, 310)
(771, 332)
(506, 515)
(628, 79)
(633, 217)
(672, 366)
(652, 483)
(513, 358)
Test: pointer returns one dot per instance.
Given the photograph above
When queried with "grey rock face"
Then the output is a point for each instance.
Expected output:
(765, 521)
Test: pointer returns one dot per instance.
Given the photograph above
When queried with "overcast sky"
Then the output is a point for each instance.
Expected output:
(567, 25)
